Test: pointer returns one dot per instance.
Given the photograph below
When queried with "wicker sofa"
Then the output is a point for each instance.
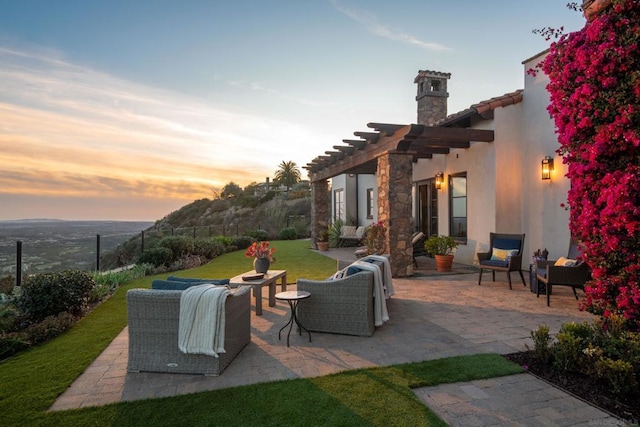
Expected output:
(340, 306)
(153, 332)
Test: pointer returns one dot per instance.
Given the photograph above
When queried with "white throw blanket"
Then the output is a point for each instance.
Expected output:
(387, 280)
(202, 317)
(380, 314)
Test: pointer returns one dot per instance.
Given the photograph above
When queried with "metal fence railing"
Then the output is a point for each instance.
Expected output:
(91, 252)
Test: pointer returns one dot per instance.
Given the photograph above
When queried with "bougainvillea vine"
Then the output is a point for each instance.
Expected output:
(595, 102)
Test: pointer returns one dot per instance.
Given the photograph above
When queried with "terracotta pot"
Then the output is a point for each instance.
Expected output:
(444, 263)
(261, 265)
(323, 246)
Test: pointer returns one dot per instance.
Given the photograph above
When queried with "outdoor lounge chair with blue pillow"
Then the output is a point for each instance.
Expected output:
(571, 271)
(505, 255)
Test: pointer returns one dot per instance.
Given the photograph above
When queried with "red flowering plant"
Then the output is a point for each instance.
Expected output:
(260, 250)
(375, 238)
(594, 91)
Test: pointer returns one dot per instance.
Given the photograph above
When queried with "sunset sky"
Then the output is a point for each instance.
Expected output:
(128, 110)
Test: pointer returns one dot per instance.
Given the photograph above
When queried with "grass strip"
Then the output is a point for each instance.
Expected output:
(364, 397)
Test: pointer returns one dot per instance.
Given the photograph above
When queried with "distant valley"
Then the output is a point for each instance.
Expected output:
(54, 245)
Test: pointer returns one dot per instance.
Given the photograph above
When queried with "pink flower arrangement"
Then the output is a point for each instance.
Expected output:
(595, 102)
(260, 250)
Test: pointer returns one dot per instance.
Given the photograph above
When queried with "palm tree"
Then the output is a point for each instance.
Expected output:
(288, 174)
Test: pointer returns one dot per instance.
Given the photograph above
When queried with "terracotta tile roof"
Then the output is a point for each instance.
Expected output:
(482, 107)
(500, 101)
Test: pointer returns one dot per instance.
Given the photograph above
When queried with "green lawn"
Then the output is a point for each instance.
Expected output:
(30, 382)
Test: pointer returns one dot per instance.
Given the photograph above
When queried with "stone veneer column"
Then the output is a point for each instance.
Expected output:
(319, 209)
(394, 209)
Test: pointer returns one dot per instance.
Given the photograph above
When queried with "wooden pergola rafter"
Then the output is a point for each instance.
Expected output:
(360, 155)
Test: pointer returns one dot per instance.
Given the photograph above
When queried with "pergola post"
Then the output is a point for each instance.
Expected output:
(319, 209)
(394, 176)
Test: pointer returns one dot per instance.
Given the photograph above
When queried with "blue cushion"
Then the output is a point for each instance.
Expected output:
(352, 269)
(175, 285)
(506, 243)
(541, 272)
(495, 263)
(195, 280)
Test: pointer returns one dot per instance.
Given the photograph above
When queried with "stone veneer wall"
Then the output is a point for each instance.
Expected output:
(394, 209)
(319, 209)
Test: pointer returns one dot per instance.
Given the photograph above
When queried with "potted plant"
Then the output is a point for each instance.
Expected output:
(262, 256)
(442, 248)
(322, 241)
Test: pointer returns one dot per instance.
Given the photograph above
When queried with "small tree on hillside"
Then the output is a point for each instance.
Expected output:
(231, 190)
(287, 174)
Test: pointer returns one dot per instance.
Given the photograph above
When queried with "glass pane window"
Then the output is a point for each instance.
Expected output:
(338, 204)
(369, 203)
(458, 206)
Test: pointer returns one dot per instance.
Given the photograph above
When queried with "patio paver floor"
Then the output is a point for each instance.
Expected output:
(431, 317)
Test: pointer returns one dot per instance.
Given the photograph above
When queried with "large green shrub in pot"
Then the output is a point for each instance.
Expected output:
(49, 294)
(440, 245)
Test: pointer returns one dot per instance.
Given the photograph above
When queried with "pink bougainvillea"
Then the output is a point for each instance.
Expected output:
(595, 102)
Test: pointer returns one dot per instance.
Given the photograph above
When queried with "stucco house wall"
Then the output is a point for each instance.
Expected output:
(505, 192)
(544, 220)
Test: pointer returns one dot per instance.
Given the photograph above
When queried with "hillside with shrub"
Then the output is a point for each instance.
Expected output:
(272, 215)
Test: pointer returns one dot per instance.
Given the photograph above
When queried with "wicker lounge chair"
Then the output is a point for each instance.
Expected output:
(417, 241)
(574, 276)
(509, 245)
(153, 332)
(340, 306)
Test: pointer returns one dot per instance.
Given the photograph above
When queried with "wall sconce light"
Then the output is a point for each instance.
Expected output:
(547, 167)
(439, 180)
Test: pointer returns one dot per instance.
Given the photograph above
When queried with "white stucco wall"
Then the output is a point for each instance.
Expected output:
(544, 220)
(355, 197)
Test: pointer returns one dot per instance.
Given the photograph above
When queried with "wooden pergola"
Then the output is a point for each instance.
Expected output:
(389, 152)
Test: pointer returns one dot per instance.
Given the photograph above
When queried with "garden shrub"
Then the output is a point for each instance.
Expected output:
(335, 229)
(50, 327)
(179, 245)
(243, 242)
(224, 240)
(289, 233)
(6, 284)
(156, 257)
(208, 248)
(618, 374)
(49, 294)
(11, 344)
(9, 317)
(542, 343)
(259, 235)
(186, 262)
(567, 352)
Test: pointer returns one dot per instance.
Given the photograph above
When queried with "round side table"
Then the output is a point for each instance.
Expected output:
(293, 298)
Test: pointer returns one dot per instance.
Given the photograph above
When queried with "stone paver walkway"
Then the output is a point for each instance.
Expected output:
(430, 317)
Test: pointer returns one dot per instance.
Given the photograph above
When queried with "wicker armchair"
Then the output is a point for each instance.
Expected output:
(340, 306)
(556, 275)
(499, 242)
(153, 332)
